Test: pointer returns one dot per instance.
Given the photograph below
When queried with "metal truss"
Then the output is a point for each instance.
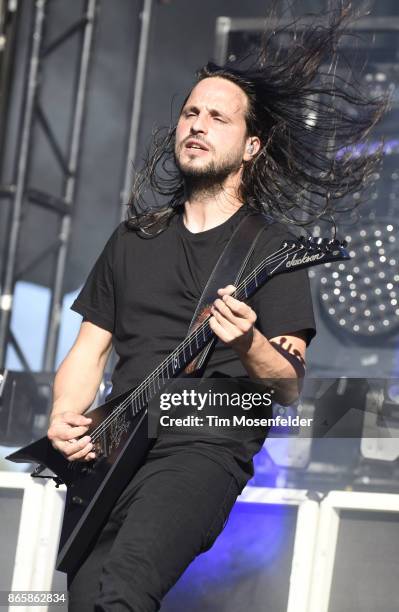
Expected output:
(137, 102)
(22, 195)
(7, 47)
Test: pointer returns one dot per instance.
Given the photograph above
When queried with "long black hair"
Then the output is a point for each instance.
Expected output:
(307, 118)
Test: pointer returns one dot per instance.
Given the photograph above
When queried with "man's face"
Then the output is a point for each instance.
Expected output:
(211, 133)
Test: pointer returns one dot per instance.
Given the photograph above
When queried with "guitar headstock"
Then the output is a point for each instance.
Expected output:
(305, 252)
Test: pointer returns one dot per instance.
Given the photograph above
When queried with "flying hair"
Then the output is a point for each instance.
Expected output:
(308, 118)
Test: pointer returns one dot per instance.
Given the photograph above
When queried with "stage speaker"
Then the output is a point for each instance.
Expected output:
(31, 512)
(356, 566)
(366, 568)
(10, 512)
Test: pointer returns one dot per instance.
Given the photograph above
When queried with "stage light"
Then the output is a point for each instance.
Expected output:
(361, 296)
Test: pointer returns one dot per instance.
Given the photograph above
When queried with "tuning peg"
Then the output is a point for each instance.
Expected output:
(321, 244)
(327, 246)
(312, 244)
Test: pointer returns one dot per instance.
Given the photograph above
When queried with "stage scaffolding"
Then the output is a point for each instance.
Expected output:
(21, 195)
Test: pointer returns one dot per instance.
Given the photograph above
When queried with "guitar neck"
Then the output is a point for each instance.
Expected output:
(292, 255)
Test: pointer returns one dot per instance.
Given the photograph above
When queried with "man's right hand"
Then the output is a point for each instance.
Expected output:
(65, 431)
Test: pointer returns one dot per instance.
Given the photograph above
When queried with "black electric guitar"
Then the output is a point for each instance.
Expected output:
(119, 429)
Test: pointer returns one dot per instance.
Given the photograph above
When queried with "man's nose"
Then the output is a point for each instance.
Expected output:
(199, 125)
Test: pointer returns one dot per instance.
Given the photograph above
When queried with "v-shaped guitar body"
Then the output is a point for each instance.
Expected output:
(93, 488)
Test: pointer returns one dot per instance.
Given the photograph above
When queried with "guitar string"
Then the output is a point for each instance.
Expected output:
(194, 335)
(136, 394)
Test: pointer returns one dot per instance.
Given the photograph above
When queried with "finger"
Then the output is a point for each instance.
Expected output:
(243, 321)
(230, 331)
(82, 453)
(64, 432)
(72, 418)
(219, 330)
(228, 290)
(90, 456)
(239, 308)
(220, 307)
(71, 447)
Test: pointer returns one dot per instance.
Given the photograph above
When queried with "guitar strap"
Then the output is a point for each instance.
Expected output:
(228, 270)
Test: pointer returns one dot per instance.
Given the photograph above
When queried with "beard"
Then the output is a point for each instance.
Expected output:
(209, 177)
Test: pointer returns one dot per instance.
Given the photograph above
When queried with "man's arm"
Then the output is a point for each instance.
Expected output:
(281, 358)
(75, 387)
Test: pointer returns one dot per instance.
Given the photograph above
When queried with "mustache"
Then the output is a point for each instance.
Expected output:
(182, 144)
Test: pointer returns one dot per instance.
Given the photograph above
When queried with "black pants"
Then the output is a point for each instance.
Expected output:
(172, 510)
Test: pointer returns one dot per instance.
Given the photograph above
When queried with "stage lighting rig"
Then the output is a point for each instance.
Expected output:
(359, 298)
(361, 295)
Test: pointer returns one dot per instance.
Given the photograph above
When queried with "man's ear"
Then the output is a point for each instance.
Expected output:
(252, 147)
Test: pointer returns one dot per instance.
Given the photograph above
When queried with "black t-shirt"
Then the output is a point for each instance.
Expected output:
(145, 292)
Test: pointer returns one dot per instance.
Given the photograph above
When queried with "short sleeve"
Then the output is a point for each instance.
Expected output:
(96, 300)
(284, 303)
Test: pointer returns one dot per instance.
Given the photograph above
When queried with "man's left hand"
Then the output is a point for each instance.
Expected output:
(232, 320)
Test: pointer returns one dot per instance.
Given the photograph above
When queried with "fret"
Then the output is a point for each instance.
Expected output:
(256, 280)
(175, 362)
(251, 288)
(261, 276)
(144, 393)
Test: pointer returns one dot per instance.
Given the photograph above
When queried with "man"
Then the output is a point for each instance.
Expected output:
(140, 297)
(211, 140)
